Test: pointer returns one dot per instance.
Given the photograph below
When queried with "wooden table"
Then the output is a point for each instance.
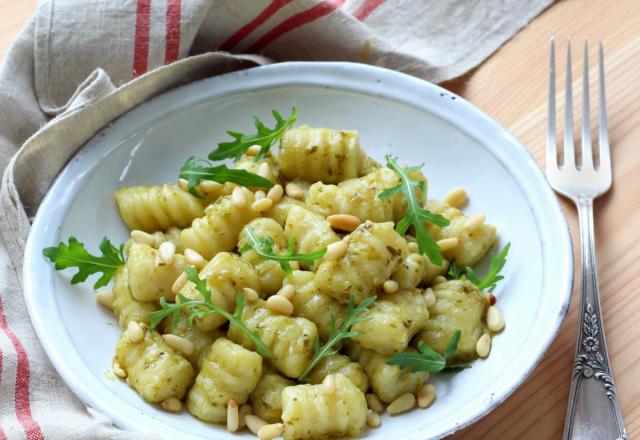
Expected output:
(511, 86)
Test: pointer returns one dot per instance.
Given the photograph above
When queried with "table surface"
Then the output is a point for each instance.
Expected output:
(511, 86)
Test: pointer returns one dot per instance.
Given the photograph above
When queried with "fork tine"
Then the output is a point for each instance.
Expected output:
(587, 155)
(552, 154)
(569, 148)
(603, 136)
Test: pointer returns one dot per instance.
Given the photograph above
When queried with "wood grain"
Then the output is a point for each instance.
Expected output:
(511, 86)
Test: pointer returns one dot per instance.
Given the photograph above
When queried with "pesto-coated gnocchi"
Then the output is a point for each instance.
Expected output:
(339, 363)
(149, 278)
(311, 230)
(125, 306)
(266, 398)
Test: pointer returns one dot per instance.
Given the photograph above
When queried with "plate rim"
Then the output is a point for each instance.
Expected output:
(333, 70)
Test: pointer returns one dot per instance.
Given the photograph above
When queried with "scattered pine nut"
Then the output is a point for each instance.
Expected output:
(438, 280)
(183, 345)
(238, 199)
(171, 404)
(194, 258)
(373, 419)
(426, 395)
(167, 252)
(483, 346)
(118, 371)
(209, 186)
(374, 403)
(288, 291)
(475, 221)
(184, 184)
(495, 319)
(446, 244)
(294, 191)
(280, 304)
(179, 283)
(253, 150)
(329, 384)
(336, 250)
(233, 417)
(390, 286)
(456, 197)
(429, 297)
(268, 432)
(402, 404)
(254, 423)
(260, 194)
(264, 170)
(413, 247)
(135, 333)
(250, 294)
(344, 222)
(105, 298)
(243, 412)
(143, 238)
(275, 193)
(262, 205)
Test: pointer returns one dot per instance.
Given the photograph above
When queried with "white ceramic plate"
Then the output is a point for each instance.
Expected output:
(394, 113)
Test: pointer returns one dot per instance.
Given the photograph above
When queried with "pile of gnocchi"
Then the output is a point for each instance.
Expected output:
(324, 195)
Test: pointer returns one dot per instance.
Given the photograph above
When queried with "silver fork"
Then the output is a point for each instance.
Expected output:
(593, 411)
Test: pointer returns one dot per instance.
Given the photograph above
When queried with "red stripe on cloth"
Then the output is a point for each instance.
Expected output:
(366, 8)
(141, 39)
(172, 41)
(295, 21)
(245, 30)
(23, 407)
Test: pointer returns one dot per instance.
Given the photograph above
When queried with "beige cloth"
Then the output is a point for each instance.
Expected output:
(79, 64)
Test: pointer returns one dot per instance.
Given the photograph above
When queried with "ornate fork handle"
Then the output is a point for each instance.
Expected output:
(594, 411)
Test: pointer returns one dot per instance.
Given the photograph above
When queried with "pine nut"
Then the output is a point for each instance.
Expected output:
(390, 286)
(260, 195)
(475, 221)
(294, 191)
(250, 294)
(167, 252)
(184, 184)
(429, 297)
(105, 298)
(171, 404)
(373, 419)
(275, 193)
(264, 170)
(336, 250)
(344, 222)
(268, 432)
(402, 404)
(179, 283)
(288, 291)
(262, 205)
(456, 197)
(438, 280)
(209, 186)
(495, 319)
(329, 384)
(280, 304)
(143, 238)
(253, 150)
(118, 371)
(374, 403)
(233, 417)
(446, 244)
(238, 199)
(483, 346)
(183, 345)
(194, 258)
(254, 423)
(413, 247)
(426, 395)
(135, 333)
(243, 412)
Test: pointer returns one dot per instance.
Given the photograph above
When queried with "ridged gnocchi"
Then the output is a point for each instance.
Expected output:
(125, 306)
(149, 278)
(339, 363)
(266, 398)
(311, 230)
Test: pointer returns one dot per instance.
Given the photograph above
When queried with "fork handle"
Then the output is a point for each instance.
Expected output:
(593, 412)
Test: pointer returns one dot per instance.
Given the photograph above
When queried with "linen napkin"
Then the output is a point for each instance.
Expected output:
(78, 65)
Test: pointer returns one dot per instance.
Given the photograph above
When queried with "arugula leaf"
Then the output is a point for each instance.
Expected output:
(265, 137)
(199, 308)
(426, 359)
(196, 170)
(76, 255)
(353, 316)
(493, 274)
(416, 214)
(264, 248)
